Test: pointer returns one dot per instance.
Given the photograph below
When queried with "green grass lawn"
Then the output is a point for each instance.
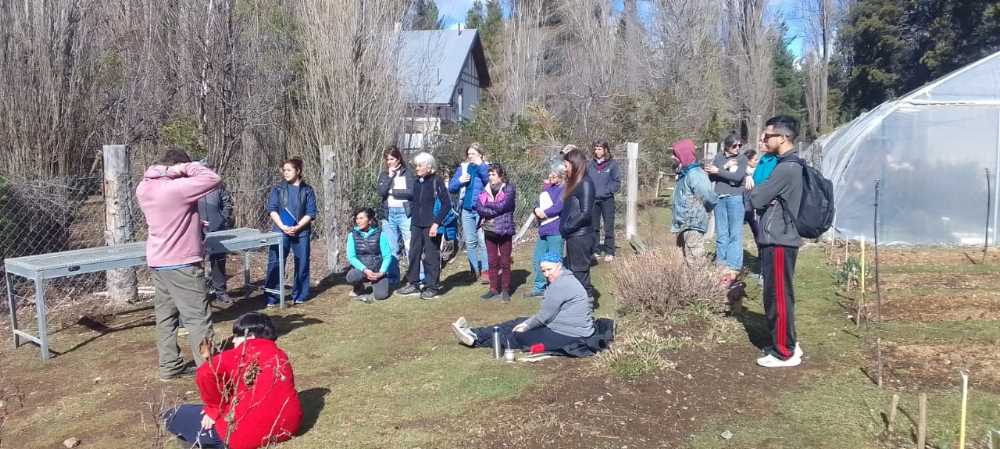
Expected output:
(390, 375)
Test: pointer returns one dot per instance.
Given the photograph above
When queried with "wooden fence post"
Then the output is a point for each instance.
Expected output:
(329, 212)
(118, 227)
(632, 186)
(922, 422)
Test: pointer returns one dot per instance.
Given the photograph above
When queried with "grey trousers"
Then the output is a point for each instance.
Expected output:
(693, 244)
(180, 298)
(380, 288)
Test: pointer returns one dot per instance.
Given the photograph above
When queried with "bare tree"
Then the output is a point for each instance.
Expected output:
(750, 49)
(819, 17)
(350, 98)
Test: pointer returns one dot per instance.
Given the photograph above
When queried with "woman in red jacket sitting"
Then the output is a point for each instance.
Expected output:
(249, 393)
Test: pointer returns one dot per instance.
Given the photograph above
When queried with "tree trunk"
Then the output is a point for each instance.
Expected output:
(118, 227)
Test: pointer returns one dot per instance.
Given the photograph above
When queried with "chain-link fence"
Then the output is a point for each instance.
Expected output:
(56, 215)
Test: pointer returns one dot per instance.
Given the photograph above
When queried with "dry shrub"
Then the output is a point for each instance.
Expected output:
(658, 283)
(637, 351)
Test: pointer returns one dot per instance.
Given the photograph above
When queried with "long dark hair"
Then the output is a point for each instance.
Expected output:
(393, 151)
(605, 145)
(579, 163)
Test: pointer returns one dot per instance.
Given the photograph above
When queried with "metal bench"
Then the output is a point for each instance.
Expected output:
(42, 267)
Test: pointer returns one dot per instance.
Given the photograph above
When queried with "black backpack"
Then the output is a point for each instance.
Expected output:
(816, 210)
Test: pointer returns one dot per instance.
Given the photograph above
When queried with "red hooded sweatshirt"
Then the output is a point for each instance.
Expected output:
(250, 393)
(168, 197)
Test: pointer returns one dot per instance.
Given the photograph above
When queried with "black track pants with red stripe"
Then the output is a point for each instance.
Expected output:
(777, 265)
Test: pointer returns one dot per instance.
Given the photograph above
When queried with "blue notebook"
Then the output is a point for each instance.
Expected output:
(287, 218)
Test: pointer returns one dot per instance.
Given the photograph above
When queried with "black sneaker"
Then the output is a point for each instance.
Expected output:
(505, 297)
(408, 290)
(489, 295)
(188, 370)
(429, 293)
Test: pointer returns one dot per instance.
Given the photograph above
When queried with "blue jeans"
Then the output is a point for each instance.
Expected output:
(397, 225)
(729, 214)
(475, 242)
(299, 245)
(550, 244)
(185, 422)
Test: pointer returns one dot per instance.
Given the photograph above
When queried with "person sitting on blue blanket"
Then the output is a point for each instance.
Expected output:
(564, 319)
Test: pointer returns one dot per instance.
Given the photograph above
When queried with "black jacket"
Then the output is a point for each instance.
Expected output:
(385, 187)
(575, 218)
(422, 205)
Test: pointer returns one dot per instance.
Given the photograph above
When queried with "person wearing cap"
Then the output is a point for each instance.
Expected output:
(564, 317)
(693, 199)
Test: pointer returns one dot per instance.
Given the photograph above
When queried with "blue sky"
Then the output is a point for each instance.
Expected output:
(453, 13)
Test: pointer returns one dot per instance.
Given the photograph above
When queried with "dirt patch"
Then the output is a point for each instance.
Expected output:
(897, 257)
(948, 306)
(923, 281)
(591, 409)
(913, 367)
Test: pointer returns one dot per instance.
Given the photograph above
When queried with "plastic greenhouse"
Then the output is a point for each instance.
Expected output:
(930, 151)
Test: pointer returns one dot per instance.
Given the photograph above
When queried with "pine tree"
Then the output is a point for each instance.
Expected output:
(788, 80)
(424, 15)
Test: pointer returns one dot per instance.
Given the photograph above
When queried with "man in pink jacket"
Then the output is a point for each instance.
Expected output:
(168, 196)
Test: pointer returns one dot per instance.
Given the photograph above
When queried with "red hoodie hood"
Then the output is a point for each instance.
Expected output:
(684, 151)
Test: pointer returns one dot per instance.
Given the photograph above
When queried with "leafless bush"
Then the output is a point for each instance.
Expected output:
(659, 283)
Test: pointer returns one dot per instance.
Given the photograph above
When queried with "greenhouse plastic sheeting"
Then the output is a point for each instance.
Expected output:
(930, 151)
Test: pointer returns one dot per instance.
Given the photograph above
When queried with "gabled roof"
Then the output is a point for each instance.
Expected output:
(431, 62)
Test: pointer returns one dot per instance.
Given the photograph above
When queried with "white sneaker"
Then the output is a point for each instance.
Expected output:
(464, 335)
(770, 361)
(609, 258)
(461, 322)
(797, 353)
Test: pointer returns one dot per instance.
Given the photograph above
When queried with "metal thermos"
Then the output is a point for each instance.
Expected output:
(497, 352)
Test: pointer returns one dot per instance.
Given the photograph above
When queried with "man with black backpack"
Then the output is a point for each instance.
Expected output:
(778, 201)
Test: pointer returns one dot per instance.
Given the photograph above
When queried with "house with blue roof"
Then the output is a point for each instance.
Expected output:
(443, 73)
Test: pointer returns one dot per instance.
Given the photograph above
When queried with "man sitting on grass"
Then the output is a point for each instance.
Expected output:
(564, 318)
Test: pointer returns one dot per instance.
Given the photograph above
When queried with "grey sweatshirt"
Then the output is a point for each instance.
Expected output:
(785, 182)
(565, 309)
(729, 182)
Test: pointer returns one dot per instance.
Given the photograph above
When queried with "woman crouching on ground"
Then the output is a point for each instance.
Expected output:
(370, 253)
(564, 317)
(496, 211)
(248, 391)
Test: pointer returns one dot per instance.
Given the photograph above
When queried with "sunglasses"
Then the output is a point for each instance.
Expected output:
(768, 136)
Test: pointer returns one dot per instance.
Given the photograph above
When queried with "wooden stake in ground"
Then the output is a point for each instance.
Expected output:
(889, 425)
(965, 406)
(922, 422)
(861, 282)
(632, 190)
(847, 255)
(122, 283)
(878, 356)
(878, 285)
(986, 234)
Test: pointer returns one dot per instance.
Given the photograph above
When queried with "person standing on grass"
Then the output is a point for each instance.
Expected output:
(216, 212)
(496, 208)
(248, 392)
(292, 208)
(565, 316)
(778, 200)
(168, 195)
(575, 220)
(371, 258)
(468, 181)
(395, 187)
(550, 242)
(728, 171)
(693, 199)
(603, 172)
(425, 241)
